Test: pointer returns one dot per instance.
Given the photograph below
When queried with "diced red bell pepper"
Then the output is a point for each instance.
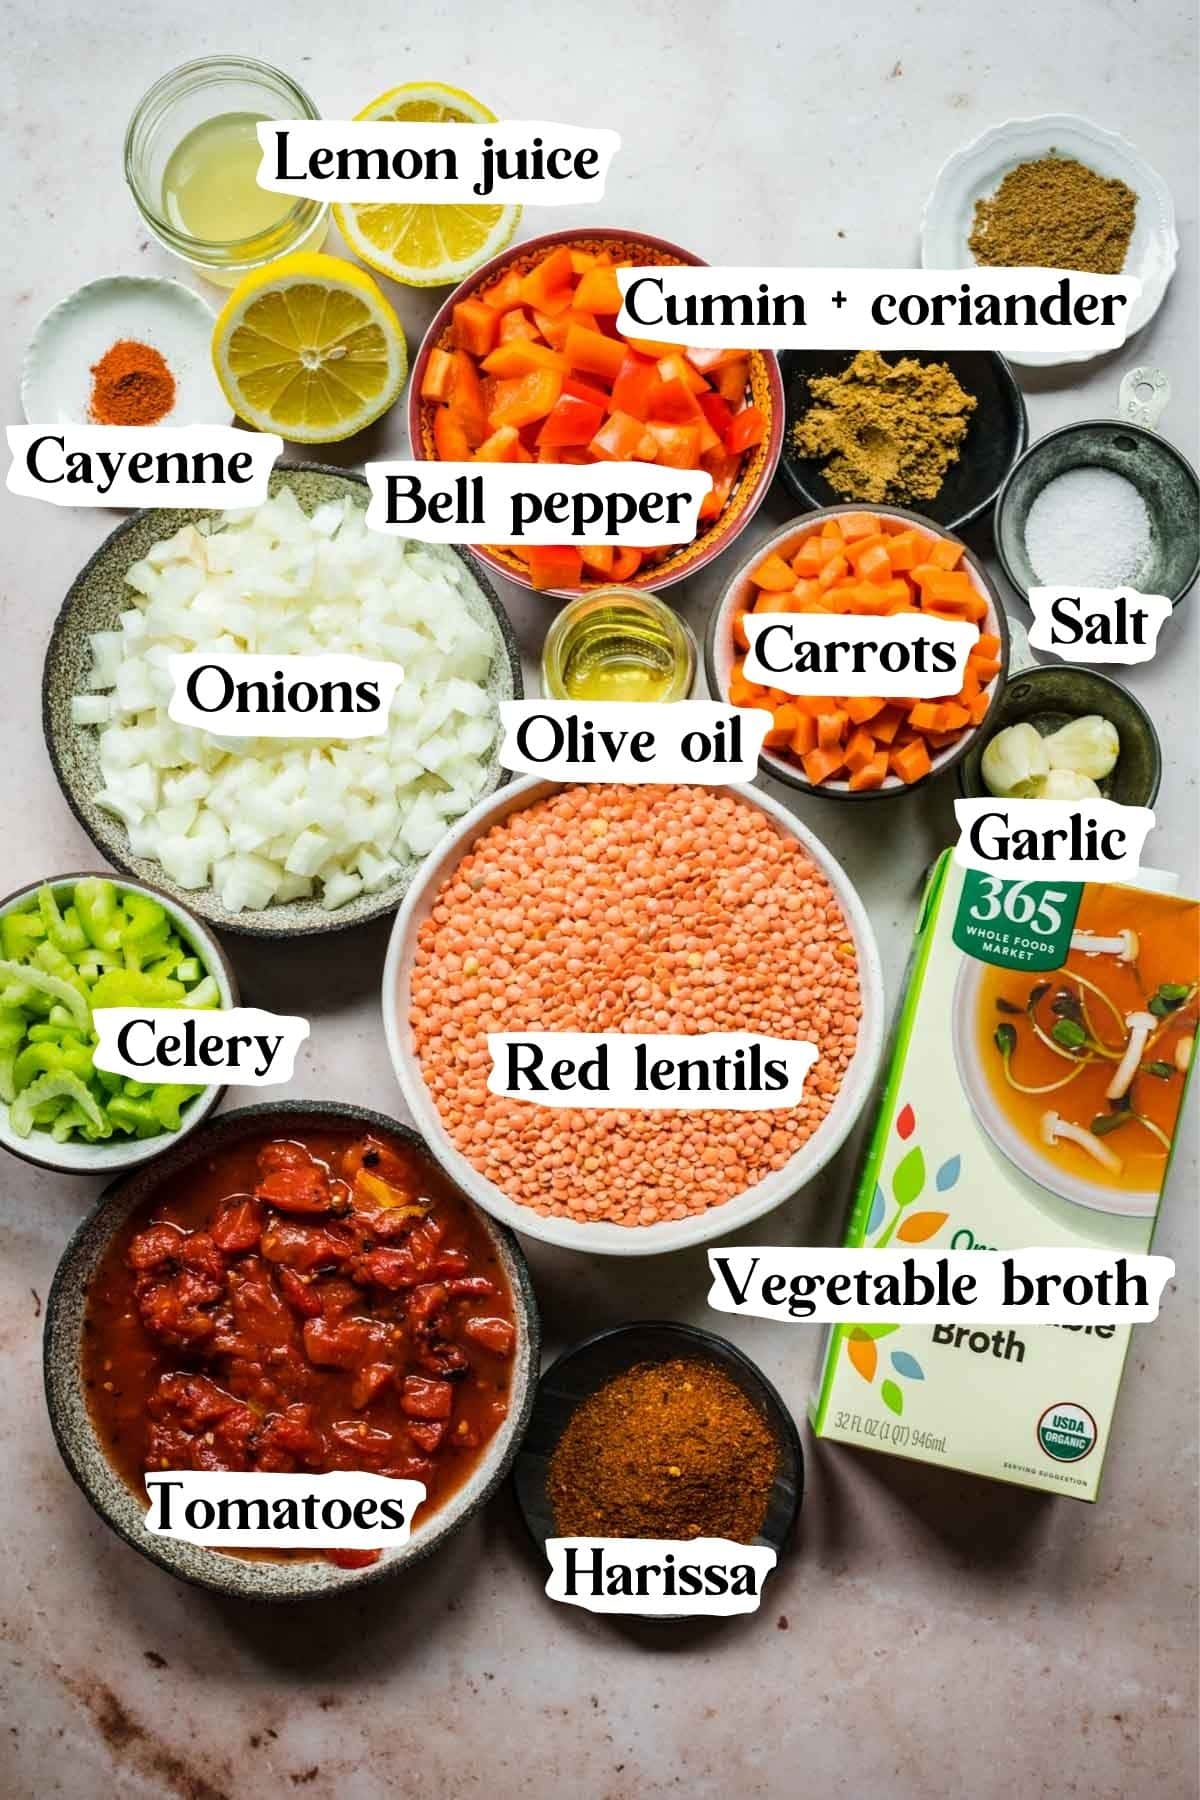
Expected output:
(676, 367)
(522, 357)
(515, 324)
(571, 422)
(594, 353)
(717, 411)
(708, 361)
(555, 566)
(635, 386)
(550, 285)
(525, 400)
(598, 558)
(619, 439)
(504, 445)
(724, 471)
(438, 378)
(466, 399)
(731, 381)
(505, 293)
(749, 427)
(678, 445)
(675, 403)
(598, 291)
(627, 560)
(586, 390)
(474, 326)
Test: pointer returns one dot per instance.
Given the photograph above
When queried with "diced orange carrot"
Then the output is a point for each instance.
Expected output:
(924, 716)
(830, 728)
(773, 573)
(985, 667)
(886, 724)
(858, 547)
(833, 572)
(784, 722)
(906, 550)
(912, 762)
(820, 764)
(861, 707)
(871, 775)
(978, 707)
(987, 647)
(874, 564)
(945, 554)
(856, 525)
(860, 748)
(952, 717)
(804, 738)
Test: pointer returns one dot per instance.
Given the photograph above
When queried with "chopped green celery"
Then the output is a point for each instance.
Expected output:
(52, 1030)
(70, 993)
(43, 1059)
(58, 1084)
(190, 969)
(144, 918)
(138, 1089)
(70, 1119)
(64, 932)
(8, 1086)
(19, 932)
(169, 963)
(134, 1116)
(96, 904)
(110, 1082)
(62, 1015)
(13, 1026)
(204, 995)
(166, 1101)
(130, 987)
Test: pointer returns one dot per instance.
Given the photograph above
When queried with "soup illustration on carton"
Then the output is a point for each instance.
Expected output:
(1033, 1093)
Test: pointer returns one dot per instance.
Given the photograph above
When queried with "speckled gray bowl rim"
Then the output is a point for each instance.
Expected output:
(1035, 671)
(792, 479)
(204, 1105)
(291, 918)
(122, 1509)
(695, 1342)
(1160, 443)
(775, 766)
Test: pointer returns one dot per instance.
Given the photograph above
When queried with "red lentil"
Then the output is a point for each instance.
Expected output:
(621, 908)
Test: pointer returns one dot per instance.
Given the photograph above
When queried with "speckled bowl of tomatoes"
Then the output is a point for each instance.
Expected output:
(524, 364)
(296, 1289)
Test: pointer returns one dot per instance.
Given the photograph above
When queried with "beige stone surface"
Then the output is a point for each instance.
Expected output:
(931, 1635)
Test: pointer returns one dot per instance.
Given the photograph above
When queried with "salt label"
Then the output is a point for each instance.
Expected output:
(1097, 625)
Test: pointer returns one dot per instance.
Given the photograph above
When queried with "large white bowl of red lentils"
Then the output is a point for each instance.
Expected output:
(599, 908)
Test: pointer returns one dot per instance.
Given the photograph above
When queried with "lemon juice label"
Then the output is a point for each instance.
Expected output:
(1033, 1092)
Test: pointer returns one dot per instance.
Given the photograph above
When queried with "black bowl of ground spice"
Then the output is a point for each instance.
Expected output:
(937, 432)
(658, 1430)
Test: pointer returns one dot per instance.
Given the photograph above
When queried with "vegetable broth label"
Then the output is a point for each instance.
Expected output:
(1016, 924)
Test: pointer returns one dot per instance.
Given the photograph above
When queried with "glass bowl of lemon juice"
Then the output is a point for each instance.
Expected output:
(191, 160)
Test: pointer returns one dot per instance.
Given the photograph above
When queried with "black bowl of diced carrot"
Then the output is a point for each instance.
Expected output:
(524, 363)
(847, 560)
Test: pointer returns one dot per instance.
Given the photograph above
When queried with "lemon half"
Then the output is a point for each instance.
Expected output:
(309, 347)
(427, 246)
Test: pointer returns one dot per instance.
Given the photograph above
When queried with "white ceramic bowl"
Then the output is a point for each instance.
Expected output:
(976, 171)
(1096, 1195)
(739, 592)
(608, 1239)
(76, 1157)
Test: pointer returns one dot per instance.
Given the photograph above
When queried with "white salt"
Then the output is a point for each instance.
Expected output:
(1088, 528)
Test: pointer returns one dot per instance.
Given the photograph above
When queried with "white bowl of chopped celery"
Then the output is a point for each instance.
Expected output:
(71, 944)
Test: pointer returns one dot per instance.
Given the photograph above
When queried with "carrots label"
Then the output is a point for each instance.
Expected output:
(526, 503)
(632, 741)
(1072, 840)
(830, 653)
(383, 160)
(1065, 311)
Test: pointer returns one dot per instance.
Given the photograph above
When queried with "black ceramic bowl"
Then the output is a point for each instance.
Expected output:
(1163, 477)
(997, 432)
(588, 1366)
(1053, 695)
(79, 1444)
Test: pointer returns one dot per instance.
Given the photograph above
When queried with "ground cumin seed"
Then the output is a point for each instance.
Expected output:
(1055, 213)
(665, 1450)
(889, 430)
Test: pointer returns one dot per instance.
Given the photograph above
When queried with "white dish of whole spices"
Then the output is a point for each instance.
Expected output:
(124, 350)
(1054, 192)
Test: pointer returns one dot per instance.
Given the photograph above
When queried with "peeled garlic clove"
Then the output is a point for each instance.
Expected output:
(1066, 784)
(1013, 760)
(1088, 745)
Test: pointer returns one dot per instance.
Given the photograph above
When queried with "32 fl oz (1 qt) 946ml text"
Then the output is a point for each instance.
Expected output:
(883, 1431)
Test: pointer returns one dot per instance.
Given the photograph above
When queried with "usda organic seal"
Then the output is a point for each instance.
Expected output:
(1066, 1432)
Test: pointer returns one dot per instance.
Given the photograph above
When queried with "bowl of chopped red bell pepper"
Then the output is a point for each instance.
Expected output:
(524, 364)
(850, 561)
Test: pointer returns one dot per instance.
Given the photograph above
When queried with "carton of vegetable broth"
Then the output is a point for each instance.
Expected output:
(1032, 1093)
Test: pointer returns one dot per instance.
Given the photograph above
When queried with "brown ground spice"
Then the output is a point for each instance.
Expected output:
(1055, 213)
(890, 430)
(665, 1450)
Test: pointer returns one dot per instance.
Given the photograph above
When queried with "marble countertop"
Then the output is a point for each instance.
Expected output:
(931, 1634)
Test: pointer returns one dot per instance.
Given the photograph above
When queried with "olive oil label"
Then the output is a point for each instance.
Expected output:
(1032, 1097)
(1016, 924)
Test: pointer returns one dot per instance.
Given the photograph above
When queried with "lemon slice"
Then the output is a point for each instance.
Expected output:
(309, 347)
(427, 246)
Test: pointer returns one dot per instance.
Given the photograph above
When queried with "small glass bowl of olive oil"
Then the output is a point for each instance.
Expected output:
(618, 644)
(191, 161)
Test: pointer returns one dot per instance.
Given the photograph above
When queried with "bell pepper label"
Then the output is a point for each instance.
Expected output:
(390, 162)
(828, 653)
(658, 1577)
(169, 1043)
(1097, 625)
(1016, 924)
(523, 503)
(141, 465)
(1062, 310)
(696, 741)
(1071, 840)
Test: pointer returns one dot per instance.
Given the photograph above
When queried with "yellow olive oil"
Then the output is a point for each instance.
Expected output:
(618, 646)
